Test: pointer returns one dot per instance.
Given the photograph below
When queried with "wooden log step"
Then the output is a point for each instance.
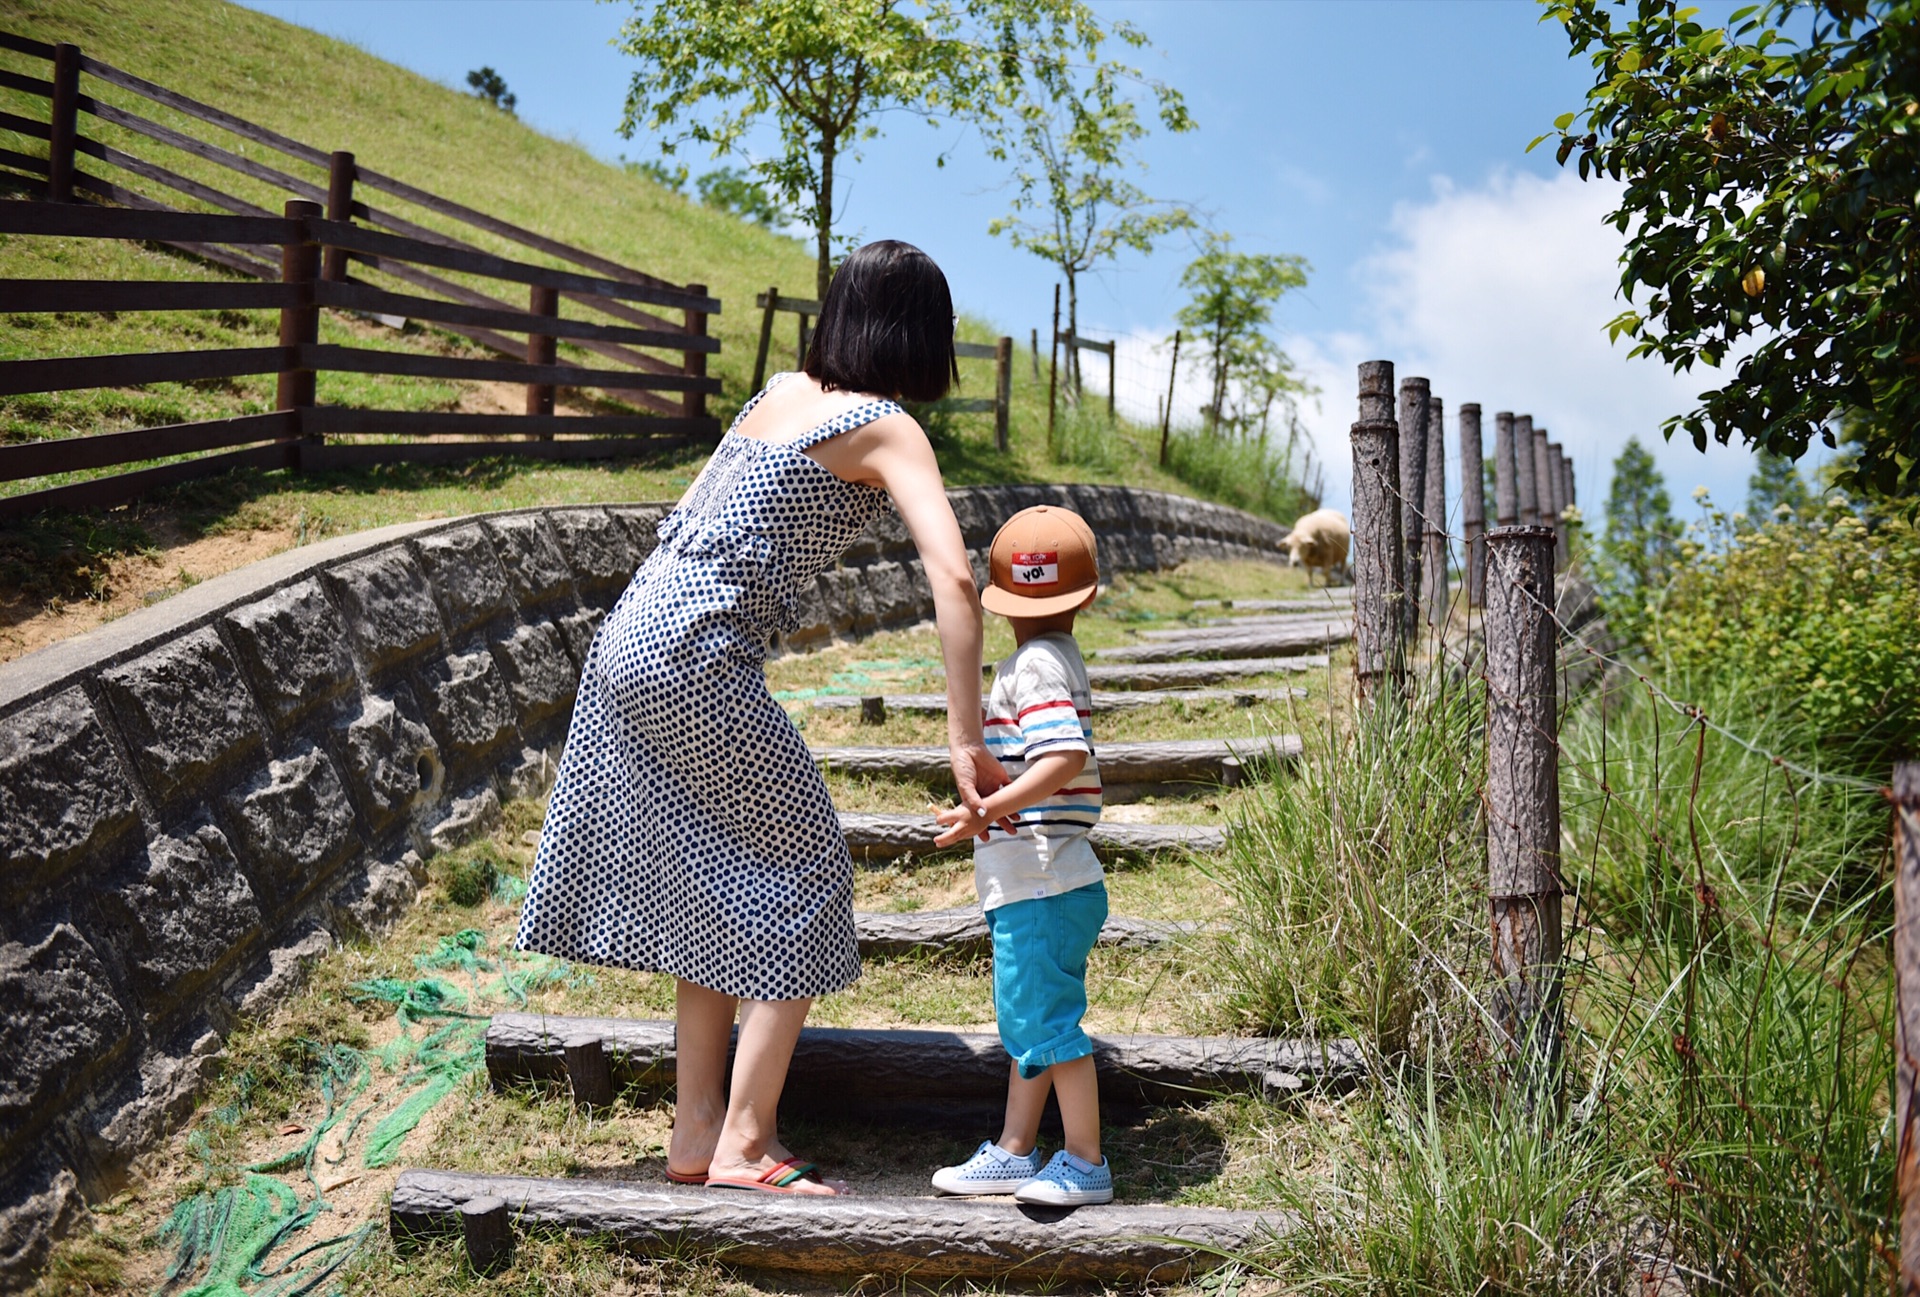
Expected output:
(962, 932)
(953, 1079)
(887, 837)
(1104, 700)
(1165, 761)
(1340, 597)
(1231, 643)
(1166, 675)
(1216, 626)
(947, 1238)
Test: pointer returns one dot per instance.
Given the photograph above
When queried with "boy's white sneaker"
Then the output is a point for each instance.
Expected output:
(1068, 1181)
(991, 1169)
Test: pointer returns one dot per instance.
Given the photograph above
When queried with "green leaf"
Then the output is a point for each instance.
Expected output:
(1561, 123)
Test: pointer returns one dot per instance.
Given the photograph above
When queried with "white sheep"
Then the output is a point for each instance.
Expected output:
(1319, 540)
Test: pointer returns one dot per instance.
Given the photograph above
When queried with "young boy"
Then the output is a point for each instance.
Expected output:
(1041, 886)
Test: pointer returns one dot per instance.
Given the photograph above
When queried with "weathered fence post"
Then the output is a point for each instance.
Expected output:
(1411, 488)
(693, 404)
(1002, 392)
(1434, 548)
(542, 348)
(1506, 489)
(1556, 474)
(1566, 500)
(1906, 1018)
(1379, 571)
(1473, 504)
(1053, 367)
(340, 174)
(63, 122)
(1542, 478)
(1523, 482)
(1523, 803)
(299, 324)
(1113, 350)
(766, 337)
(1166, 416)
(1033, 345)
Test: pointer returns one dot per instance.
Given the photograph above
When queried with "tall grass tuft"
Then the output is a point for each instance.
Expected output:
(1083, 435)
(1247, 473)
(1723, 1124)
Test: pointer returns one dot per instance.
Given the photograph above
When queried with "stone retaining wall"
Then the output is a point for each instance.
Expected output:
(198, 800)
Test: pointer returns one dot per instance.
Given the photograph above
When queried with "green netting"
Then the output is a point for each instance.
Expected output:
(230, 1233)
(862, 676)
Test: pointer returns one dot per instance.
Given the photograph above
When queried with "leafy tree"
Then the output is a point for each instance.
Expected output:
(739, 193)
(492, 87)
(1769, 210)
(1775, 481)
(1641, 541)
(1071, 133)
(1233, 298)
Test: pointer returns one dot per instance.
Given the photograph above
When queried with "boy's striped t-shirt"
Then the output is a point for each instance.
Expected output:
(1041, 702)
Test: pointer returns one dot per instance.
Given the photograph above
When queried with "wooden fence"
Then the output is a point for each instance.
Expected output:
(807, 309)
(363, 258)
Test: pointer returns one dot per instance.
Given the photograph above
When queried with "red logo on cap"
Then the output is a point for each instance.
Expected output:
(1038, 568)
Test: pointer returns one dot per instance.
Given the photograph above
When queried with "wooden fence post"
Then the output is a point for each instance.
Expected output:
(1166, 416)
(340, 173)
(1906, 1018)
(1113, 349)
(1473, 504)
(802, 336)
(542, 350)
(1542, 478)
(1523, 470)
(1566, 498)
(694, 404)
(1033, 345)
(1053, 367)
(766, 337)
(1411, 490)
(63, 122)
(1556, 475)
(1002, 392)
(300, 324)
(1523, 803)
(1506, 487)
(1434, 548)
(1379, 573)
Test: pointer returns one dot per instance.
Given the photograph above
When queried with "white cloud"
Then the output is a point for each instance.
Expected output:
(1500, 294)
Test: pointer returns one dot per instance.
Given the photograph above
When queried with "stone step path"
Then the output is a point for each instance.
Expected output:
(961, 932)
(948, 1077)
(1261, 621)
(1172, 674)
(943, 1238)
(1336, 597)
(1167, 761)
(1104, 700)
(883, 837)
(1229, 642)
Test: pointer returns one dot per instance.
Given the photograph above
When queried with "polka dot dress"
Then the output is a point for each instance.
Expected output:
(690, 832)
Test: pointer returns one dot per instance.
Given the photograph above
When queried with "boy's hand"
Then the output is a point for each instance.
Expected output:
(960, 823)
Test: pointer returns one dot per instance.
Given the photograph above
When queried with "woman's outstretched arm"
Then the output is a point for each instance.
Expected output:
(896, 453)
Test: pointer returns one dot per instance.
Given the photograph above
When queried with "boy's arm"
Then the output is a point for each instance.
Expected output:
(1045, 775)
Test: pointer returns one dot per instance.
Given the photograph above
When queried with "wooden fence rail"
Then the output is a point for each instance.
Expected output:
(371, 261)
(295, 434)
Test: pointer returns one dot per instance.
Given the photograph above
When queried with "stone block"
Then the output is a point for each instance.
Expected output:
(467, 703)
(393, 762)
(293, 645)
(185, 715)
(38, 1204)
(641, 522)
(539, 674)
(596, 547)
(466, 818)
(371, 902)
(462, 566)
(293, 824)
(388, 604)
(810, 610)
(282, 972)
(155, 1098)
(62, 1019)
(185, 913)
(530, 773)
(577, 629)
(64, 798)
(536, 570)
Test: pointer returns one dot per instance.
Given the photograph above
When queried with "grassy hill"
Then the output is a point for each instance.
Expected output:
(334, 96)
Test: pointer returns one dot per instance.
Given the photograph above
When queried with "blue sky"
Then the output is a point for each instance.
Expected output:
(1381, 139)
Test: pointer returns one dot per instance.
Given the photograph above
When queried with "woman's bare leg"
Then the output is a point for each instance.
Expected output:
(702, 1032)
(749, 1139)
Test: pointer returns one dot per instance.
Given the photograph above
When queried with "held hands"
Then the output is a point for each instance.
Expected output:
(977, 774)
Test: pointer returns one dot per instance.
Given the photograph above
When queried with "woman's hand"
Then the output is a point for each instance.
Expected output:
(978, 775)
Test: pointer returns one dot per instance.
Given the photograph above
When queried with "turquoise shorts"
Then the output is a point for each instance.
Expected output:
(1040, 950)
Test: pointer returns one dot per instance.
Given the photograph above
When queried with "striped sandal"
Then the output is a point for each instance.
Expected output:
(782, 1177)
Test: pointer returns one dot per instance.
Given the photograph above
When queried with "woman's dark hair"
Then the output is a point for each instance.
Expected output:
(886, 326)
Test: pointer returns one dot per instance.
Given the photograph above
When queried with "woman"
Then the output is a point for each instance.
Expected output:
(690, 832)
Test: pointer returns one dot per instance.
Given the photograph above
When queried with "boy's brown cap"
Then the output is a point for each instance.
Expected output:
(1042, 563)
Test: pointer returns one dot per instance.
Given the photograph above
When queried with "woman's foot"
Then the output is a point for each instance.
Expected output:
(775, 1162)
(690, 1147)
